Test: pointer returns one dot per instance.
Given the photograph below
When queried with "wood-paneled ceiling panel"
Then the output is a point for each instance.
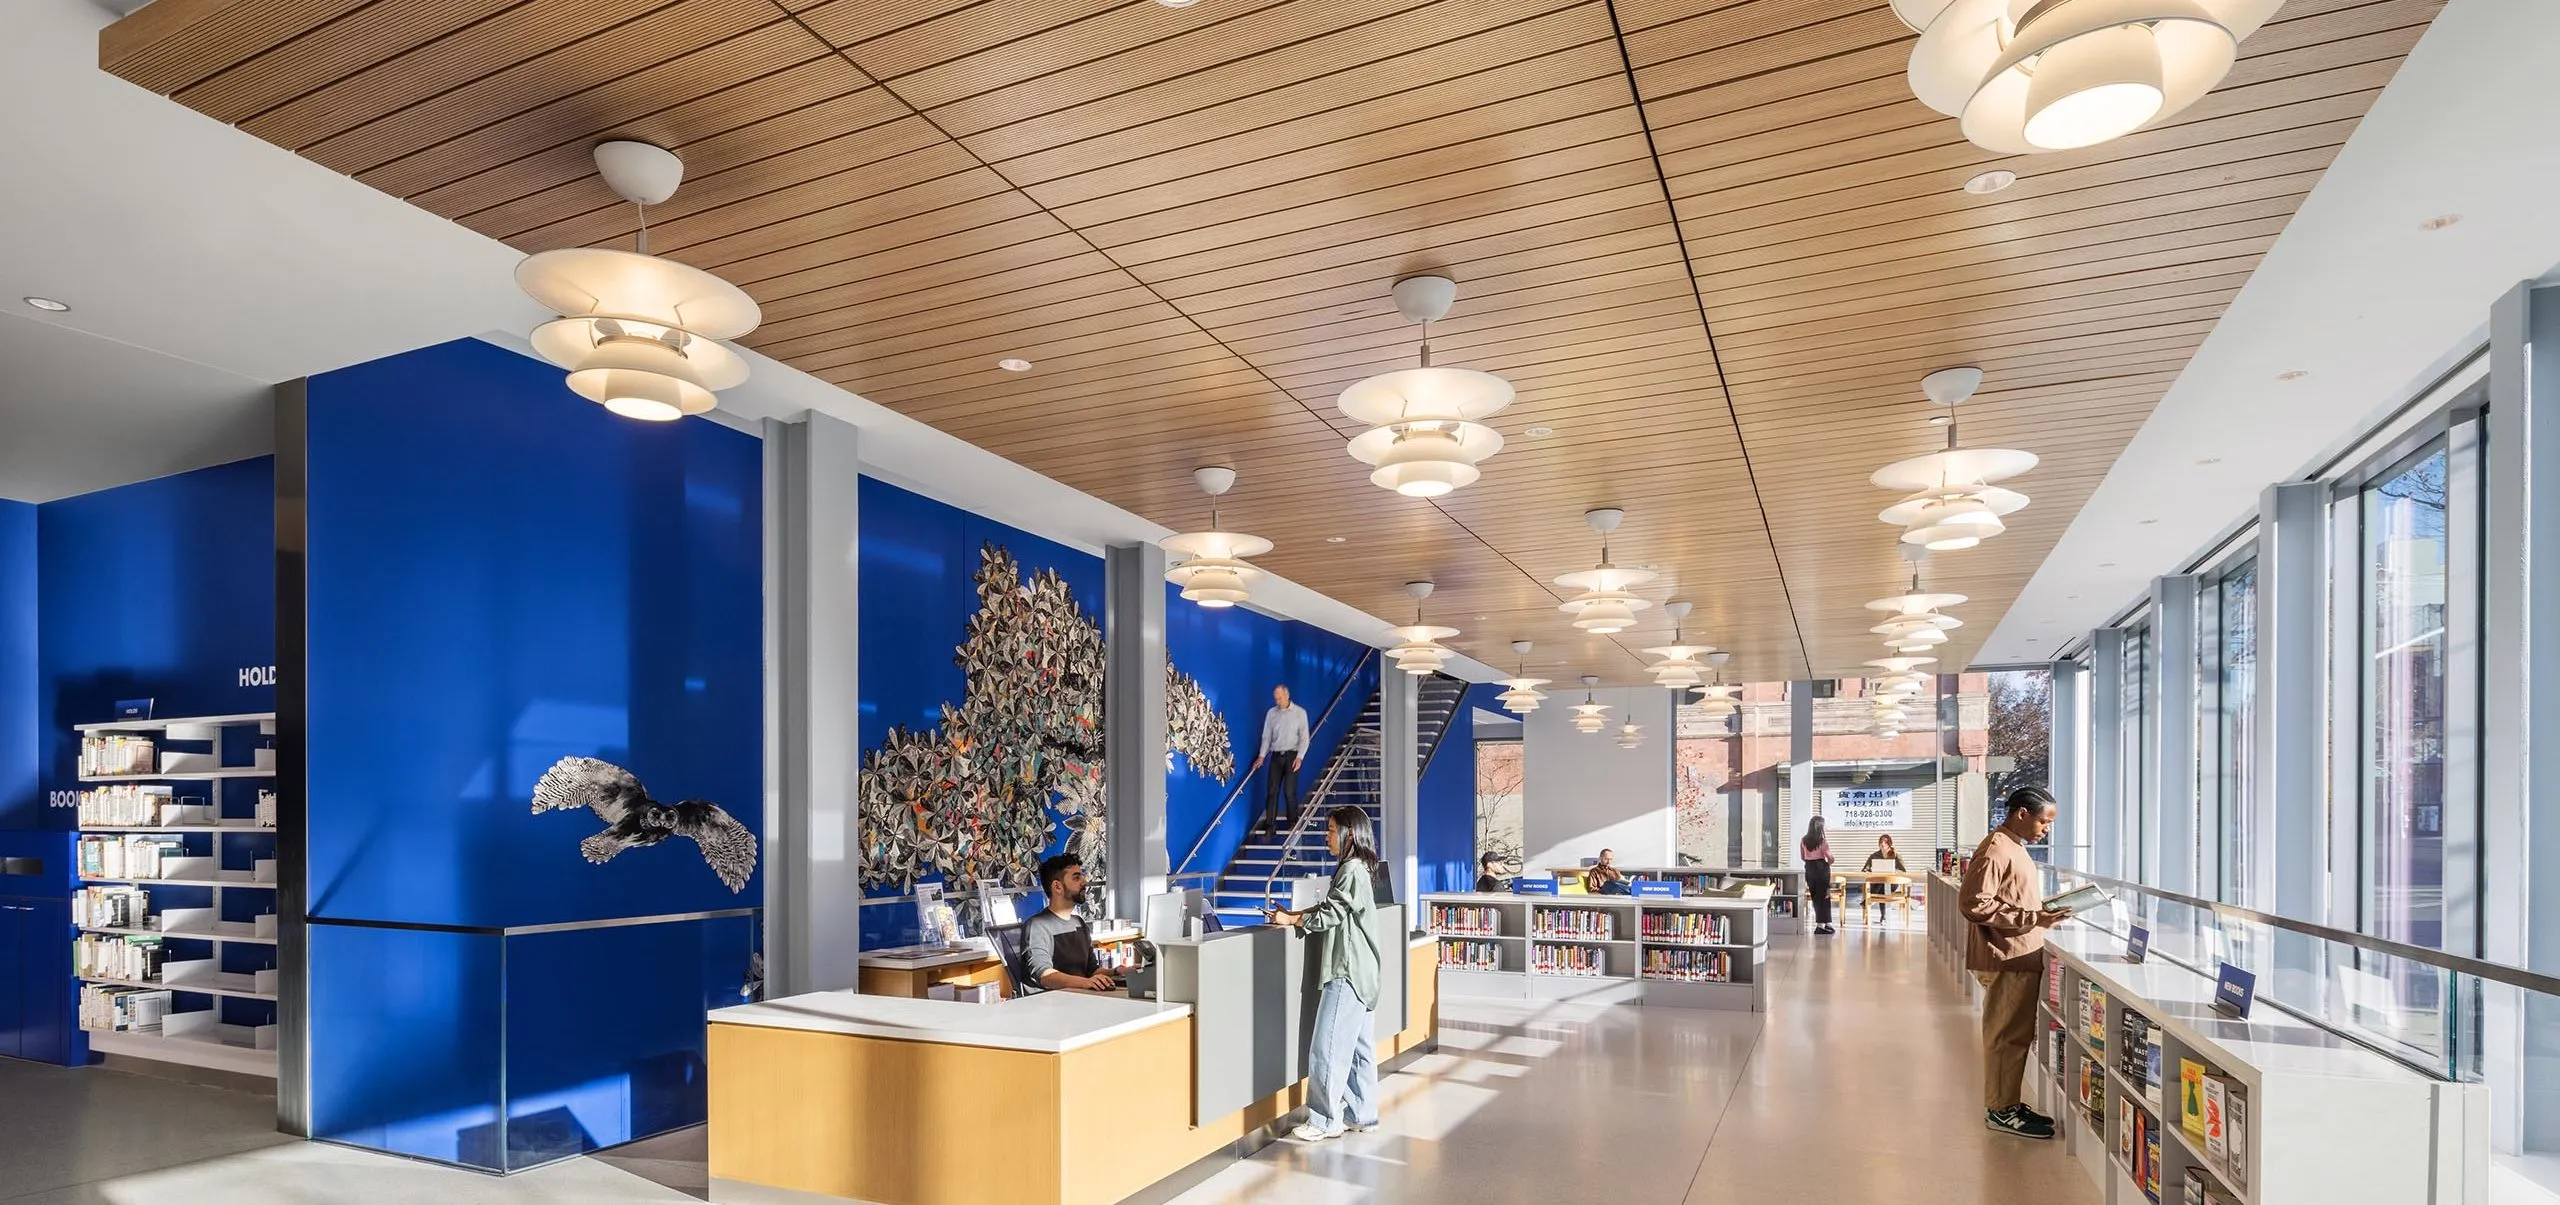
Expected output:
(1713, 244)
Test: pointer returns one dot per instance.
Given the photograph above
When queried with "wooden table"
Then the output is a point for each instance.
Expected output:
(889, 974)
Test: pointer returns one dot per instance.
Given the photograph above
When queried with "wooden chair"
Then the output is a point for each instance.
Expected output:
(1890, 893)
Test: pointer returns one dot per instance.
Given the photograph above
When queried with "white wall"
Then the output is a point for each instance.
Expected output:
(1584, 792)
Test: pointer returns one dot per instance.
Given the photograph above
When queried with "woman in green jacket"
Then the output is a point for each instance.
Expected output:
(1342, 1063)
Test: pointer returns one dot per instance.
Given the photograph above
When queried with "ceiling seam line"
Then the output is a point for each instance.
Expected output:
(1196, 324)
(1635, 95)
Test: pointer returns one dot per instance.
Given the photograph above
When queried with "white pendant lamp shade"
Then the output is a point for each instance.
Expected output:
(639, 335)
(1604, 604)
(1417, 650)
(1210, 566)
(1917, 603)
(1590, 715)
(1520, 695)
(2025, 76)
(1953, 500)
(1426, 425)
(1630, 736)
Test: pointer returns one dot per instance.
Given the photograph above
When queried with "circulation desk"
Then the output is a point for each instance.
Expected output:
(1078, 1098)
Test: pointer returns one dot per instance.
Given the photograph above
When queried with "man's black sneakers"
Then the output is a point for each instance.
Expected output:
(2049, 1123)
(2017, 1120)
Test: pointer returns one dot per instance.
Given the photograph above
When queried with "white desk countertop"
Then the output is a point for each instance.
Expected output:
(1047, 1023)
(964, 952)
(2270, 1041)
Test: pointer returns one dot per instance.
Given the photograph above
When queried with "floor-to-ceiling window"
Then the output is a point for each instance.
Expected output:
(1706, 775)
(2236, 716)
(2403, 722)
(2130, 820)
(1501, 792)
(2019, 747)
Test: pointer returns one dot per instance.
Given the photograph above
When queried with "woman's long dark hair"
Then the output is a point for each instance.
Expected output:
(1359, 839)
(1813, 830)
(1885, 841)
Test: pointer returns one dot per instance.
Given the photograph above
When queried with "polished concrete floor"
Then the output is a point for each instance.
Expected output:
(1859, 1085)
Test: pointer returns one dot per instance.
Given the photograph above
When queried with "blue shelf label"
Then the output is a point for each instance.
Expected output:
(1527, 886)
(1655, 888)
(2233, 989)
(133, 709)
(2137, 944)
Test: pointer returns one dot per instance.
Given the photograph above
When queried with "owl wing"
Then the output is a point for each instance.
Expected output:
(726, 844)
(608, 790)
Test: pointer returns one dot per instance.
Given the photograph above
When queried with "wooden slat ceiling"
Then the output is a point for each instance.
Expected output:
(1715, 243)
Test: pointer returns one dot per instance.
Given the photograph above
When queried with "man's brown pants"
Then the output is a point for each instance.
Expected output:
(2008, 1033)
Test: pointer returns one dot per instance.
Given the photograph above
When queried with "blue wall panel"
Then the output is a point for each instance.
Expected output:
(21, 790)
(1445, 823)
(1237, 656)
(164, 589)
(502, 574)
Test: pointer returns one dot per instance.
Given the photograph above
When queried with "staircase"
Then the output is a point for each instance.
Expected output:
(1271, 854)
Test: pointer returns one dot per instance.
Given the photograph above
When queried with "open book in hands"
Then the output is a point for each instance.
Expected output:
(2079, 899)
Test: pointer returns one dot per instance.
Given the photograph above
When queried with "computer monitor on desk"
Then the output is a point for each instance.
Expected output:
(1169, 915)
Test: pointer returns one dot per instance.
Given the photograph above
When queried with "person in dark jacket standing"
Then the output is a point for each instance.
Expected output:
(1815, 851)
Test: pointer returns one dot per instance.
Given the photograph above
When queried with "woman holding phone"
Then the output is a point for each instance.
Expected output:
(1342, 1063)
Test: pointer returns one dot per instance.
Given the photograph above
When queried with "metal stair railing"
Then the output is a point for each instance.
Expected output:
(1182, 869)
(1333, 771)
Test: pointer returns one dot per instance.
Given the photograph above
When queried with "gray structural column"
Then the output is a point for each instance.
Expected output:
(2068, 765)
(813, 705)
(2107, 805)
(1399, 767)
(1133, 727)
(2520, 792)
(2287, 869)
(2170, 779)
(1801, 797)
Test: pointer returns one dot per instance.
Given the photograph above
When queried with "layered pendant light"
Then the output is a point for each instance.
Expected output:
(1418, 650)
(1716, 699)
(1913, 622)
(1590, 715)
(1210, 565)
(1520, 693)
(640, 335)
(1426, 425)
(2027, 76)
(1954, 501)
(1679, 668)
(1603, 606)
(1900, 683)
(1630, 735)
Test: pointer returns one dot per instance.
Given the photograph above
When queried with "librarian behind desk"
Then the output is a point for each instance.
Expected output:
(1079, 1098)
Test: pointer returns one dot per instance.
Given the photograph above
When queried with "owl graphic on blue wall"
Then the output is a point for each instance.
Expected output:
(633, 819)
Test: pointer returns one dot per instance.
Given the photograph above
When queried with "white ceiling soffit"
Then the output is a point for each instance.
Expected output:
(2357, 294)
(181, 242)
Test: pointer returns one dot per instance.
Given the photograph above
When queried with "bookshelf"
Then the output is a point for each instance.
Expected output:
(1680, 953)
(177, 889)
(1786, 900)
(2291, 1097)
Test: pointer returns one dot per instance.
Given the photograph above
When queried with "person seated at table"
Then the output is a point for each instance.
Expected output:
(1059, 956)
(1604, 878)
(1488, 873)
(1885, 860)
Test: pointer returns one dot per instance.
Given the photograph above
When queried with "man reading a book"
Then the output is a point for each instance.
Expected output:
(2003, 899)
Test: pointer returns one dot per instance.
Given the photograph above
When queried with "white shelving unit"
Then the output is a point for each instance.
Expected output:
(2326, 1120)
(1524, 925)
(198, 1037)
(1786, 903)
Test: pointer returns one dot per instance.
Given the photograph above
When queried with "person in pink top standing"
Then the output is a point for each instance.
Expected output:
(1815, 852)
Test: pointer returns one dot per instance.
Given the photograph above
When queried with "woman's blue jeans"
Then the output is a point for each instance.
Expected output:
(1342, 1062)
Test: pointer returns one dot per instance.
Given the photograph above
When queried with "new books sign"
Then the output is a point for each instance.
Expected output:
(1871, 808)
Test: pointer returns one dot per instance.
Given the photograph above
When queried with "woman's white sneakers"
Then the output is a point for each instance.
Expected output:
(1307, 1132)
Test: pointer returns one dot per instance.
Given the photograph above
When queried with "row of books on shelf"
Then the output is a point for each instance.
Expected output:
(1702, 927)
(2138, 1148)
(2213, 1109)
(1689, 966)
(104, 755)
(117, 956)
(2139, 1054)
(1581, 923)
(1464, 918)
(111, 908)
(105, 1009)
(1470, 955)
(2091, 1091)
(1567, 960)
(129, 857)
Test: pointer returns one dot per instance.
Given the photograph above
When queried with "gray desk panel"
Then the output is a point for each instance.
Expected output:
(1253, 1005)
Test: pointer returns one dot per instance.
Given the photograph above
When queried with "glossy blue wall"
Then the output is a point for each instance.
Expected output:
(1445, 801)
(502, 574)
(1237, 656)
(919, 565)
(21, 796)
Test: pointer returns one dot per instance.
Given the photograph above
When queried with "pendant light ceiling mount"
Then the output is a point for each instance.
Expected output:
(1211, 566)
(640, 335)
(1954, 501)
(1426, 424)
(1679, 668)
(1418, 650)
(2030, 76)
(1590, 715)
(1520, 694)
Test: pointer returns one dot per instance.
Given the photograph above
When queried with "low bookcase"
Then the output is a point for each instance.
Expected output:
(1602, 949)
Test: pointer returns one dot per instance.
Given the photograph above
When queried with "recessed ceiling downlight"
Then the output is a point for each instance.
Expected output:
(2294, 375)
(2440, 221)
(48, 305)
(1990, 182)
(1014, 364)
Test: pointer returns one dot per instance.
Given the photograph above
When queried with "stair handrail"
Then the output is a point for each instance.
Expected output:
(1181, 868)
(1289, 845)
(1442, 736)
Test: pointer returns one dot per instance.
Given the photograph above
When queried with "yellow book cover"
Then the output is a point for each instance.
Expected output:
(2191, 1097)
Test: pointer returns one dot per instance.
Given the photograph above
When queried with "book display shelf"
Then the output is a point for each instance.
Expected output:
(176, 952)
(1680, 953)
(2161, 1099)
